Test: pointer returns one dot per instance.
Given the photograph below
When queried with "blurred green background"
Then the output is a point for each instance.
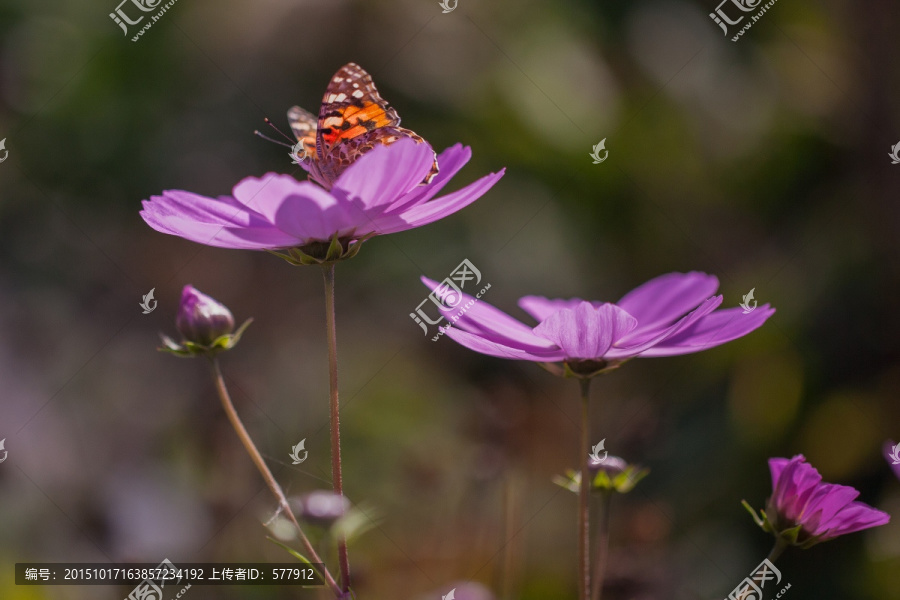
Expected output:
(762, 161)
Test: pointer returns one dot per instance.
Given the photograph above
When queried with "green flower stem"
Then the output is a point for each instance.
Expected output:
(602, 544)
(584, 508)
(337, 478)
(257, 459)
(780, 546)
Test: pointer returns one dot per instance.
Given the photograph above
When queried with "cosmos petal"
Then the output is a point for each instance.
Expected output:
(586, 332)
(496, 348)
(666, 298)
(483, 319)
(384, 174)
(434, 210)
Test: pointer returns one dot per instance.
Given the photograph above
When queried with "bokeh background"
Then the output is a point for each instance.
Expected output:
(764, 162)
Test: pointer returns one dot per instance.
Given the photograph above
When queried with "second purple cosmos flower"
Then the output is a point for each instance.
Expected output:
(667, 316)
(670, 315)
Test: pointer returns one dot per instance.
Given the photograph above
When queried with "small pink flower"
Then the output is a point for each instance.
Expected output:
(803, 511)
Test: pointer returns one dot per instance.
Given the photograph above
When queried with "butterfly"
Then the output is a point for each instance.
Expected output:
(352, 120)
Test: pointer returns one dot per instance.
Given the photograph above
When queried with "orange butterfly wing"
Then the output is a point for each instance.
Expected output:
(353, 119)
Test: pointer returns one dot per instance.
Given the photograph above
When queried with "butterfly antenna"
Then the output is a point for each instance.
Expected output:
(281, 133)
(258, 133)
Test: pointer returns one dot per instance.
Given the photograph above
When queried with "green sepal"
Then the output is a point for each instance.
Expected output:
(761, 521)
(335, 250)
(791, 535)
(286, 257)
(353, 525)
(622, 483)
(625, 481)
(317, 253)
(569, 481)
(187, 349)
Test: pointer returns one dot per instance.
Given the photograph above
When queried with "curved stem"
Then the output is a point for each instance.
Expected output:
(779, 547)
(584, 508)
(257, 459)
(336, 476)
(602, 548)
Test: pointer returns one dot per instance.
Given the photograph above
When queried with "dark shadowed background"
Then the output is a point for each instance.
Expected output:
(763, 161)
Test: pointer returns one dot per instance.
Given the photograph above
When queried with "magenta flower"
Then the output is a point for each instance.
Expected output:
(892, 454)
(379, 193)
(670, 315)
(803, 511)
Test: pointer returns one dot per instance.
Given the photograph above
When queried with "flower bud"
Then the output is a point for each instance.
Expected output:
(206, 326)
(201, 319)
(611, 465)
(607, 475)
(321, 507)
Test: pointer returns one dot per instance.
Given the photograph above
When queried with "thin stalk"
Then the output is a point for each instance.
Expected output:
(777, 549)
(336, 476)
(257, 459)
(584, 508)
(511, 501)
(602, 545)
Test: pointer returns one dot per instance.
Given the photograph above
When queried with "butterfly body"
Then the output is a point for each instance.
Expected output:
(353, 119)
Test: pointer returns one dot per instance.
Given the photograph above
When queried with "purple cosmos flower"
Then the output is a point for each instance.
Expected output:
(892, 454)
(379, 193)
(670, 315)
(803, 511)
